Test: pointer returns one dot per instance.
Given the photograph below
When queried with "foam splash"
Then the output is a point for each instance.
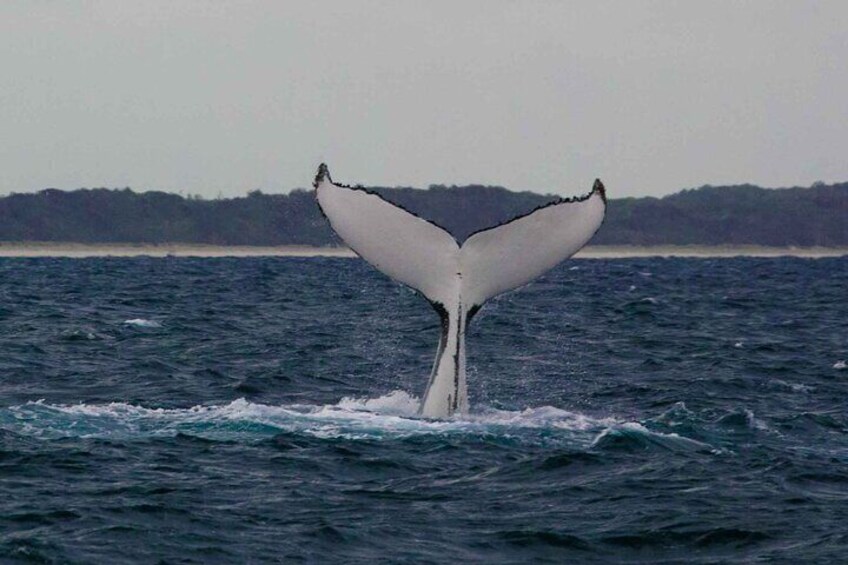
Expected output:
(393, 416)
(142, 323)
(792, 387)
(78, 335)
(397, 403)
(634, 436)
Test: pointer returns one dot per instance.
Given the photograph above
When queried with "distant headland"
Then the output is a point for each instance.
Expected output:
(731, 217)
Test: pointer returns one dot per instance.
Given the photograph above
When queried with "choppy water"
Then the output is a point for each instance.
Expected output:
(257, 410)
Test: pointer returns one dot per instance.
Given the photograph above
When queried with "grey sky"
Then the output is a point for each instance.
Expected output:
(226, 97)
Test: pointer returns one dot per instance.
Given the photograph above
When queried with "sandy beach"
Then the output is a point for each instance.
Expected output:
(81, 250)
(624, 251)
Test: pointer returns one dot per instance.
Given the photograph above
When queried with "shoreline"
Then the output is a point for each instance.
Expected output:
(83, 250)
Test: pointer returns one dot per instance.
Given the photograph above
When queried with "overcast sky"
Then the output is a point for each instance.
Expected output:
(220, 98)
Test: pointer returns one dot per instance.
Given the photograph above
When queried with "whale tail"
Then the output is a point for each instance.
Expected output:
(457, 279)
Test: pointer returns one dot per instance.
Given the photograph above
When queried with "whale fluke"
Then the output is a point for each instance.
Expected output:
(456, 279)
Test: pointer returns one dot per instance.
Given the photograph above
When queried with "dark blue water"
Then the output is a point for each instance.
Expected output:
(260, 410)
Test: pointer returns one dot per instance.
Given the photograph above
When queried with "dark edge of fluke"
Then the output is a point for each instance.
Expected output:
(324, 173)
(598, 186)
(600, 189)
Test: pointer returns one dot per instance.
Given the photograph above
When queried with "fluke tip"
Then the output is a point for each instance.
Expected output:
(599, 188)
(323, 173)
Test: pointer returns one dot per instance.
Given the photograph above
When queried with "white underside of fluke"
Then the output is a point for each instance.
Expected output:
(456, 279)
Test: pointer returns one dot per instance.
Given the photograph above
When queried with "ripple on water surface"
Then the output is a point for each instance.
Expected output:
(264, 409)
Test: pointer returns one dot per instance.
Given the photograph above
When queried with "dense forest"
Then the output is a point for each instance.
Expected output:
(743, 214)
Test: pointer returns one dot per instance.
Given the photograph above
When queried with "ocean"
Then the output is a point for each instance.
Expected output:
(260, 410)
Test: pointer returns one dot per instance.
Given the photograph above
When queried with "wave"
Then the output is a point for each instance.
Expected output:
(632, 436)
(393, 416)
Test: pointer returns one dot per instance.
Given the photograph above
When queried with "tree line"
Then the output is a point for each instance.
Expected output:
(709, 215)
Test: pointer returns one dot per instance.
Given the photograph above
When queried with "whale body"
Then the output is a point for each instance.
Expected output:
(457, 279)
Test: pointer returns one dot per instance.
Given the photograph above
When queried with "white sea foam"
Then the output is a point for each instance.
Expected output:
(839, 365)
(794, 387)
(142, 323)
(635, 435)
(398, 403)
(391, 416)
(79, 335)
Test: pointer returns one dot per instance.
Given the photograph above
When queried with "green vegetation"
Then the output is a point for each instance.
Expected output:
(743, 214)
